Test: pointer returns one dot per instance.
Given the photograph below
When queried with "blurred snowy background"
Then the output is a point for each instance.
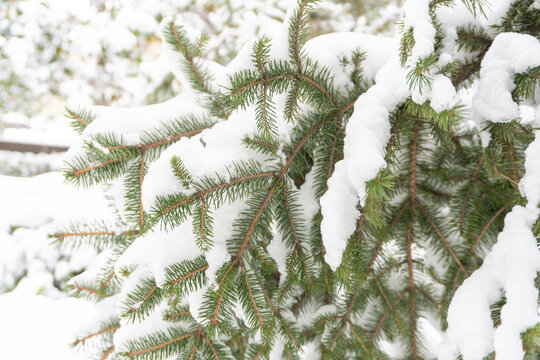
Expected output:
(58, 53)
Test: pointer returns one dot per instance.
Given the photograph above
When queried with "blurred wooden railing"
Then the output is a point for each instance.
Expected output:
(33, 148)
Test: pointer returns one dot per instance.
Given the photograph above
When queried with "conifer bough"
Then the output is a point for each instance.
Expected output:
(336, 198)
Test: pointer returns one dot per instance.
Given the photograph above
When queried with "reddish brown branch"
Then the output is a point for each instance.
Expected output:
(486, 227)
(216, 310)
(132, 310)
(156, 347)
(297, 35)
(174, 138)
(217, 187)
(412, 191)
(515, 183)
(92, 291)
(101, 332)
(61, 236)
(170, 316)
(79, 119)
(202, 220)
(345, 318)
(214, 352)
(107, 353)
(108, 280)
(187, 275)
(277, 313)
(253, 141)
(254, 222)
(79, 172)
(251, 296)
(392, 223)
(141, 178)
(265, 112)
(358, 338)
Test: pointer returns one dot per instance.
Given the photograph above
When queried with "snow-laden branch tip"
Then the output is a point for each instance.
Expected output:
(510, 269)
(509, 55)
(367, 133)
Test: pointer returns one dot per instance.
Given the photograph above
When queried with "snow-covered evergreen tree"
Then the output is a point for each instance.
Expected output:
(347, 197)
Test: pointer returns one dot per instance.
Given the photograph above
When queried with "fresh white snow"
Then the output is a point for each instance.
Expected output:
(367, 134)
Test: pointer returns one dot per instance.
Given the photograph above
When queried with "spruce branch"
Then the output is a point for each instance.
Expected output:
(199, 77)
(258, 278)
(98, 333)
(81, 118)
(82, 289)
(486, 227)
(441, 236)
(107, 353)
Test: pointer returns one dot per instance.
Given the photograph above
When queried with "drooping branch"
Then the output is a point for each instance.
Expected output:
(107, 353)
(251, 296)
(206, 192)
(101, 332)
(141, 178)
(441, 236)
(486, 227)
(410, 229)
(188, 275)
(162, 345)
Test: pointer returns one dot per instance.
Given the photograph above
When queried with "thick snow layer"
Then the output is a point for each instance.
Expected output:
(338, 207)
(442, 94)
(219, 146)
(367, 134)
(509, 54)
(132, 124)
(459, 16)
(512, 267)
(440, 91)
(417, 17)
(37, 327)
(159, 249)
(330, 50)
